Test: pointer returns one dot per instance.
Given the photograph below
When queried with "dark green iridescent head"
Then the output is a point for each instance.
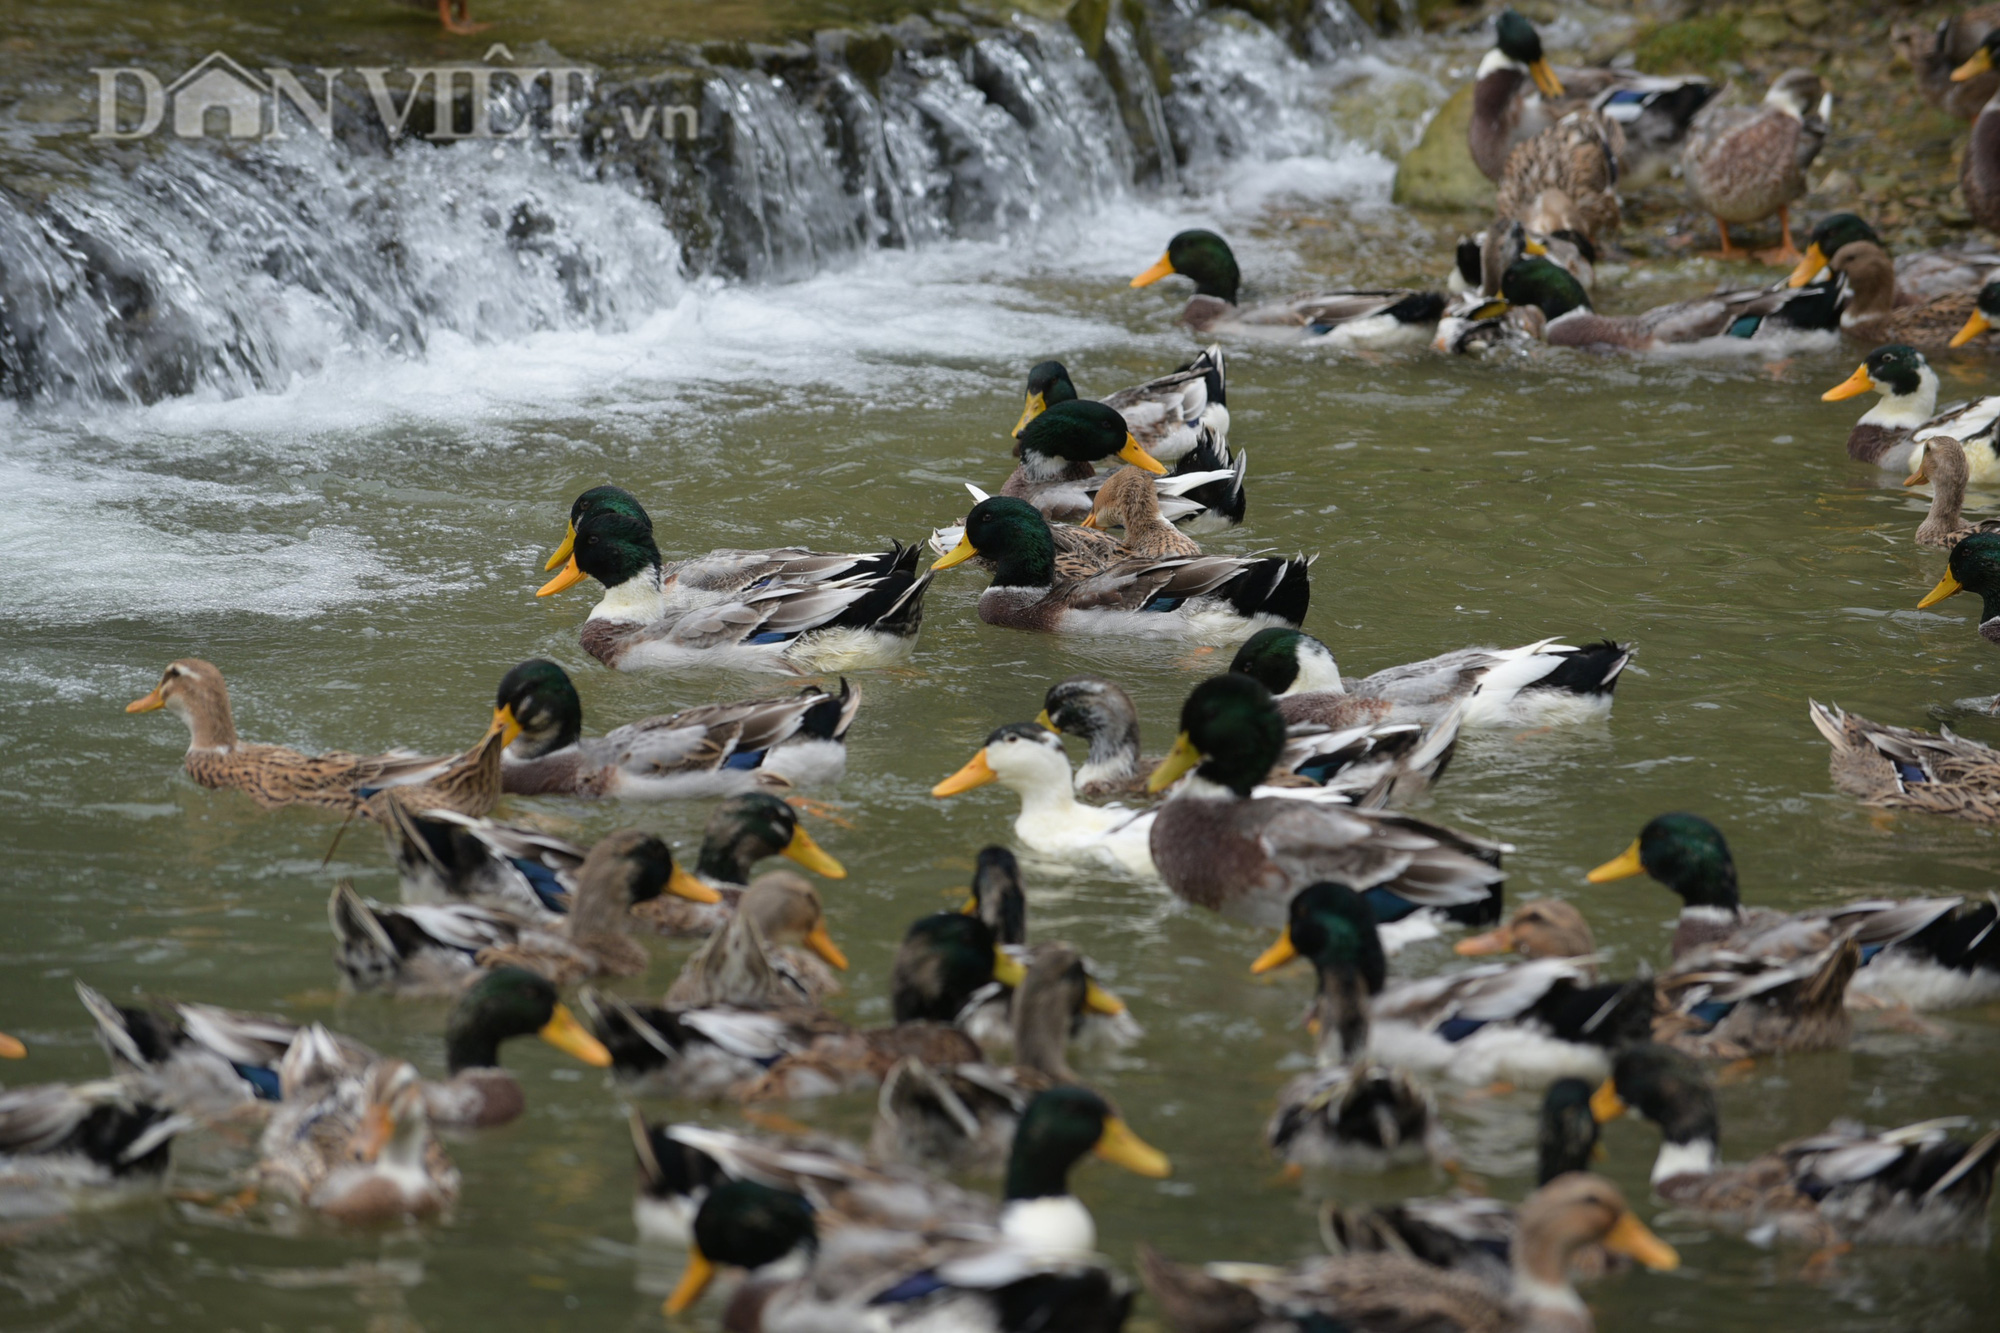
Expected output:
(744, 830)
(1670, 1089)
(1329, 924)
(1078, 431)
(1207, 258)
(615, 548)
(1989, 301)
(1270, 657)
(504, 1002)
(747, 1225)
(1235, 726)
(1050, 382)
(611, 499)
(1517, 38)
(545, 704)
(1688, 855)
(1015, 537)
(1541, 282)
(1839, 230)
(945, 958)
(1059, 1127)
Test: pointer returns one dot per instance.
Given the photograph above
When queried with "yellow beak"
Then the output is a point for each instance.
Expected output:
(1007, 969)
(1535, 247)
(1101, 1001)
(1859, 382)
(976, 773)
(683, 885)
(569, 578)
(1917, 475)
(1809, 266)
(504, 723)
(563, 1032)
(1975, 324)
(1277, 955)
(1605, 1104)
(1135, 454)
(1948, 586)
(149, 702)
(821, 943)
(1625, 865)
(1090, 519)
(1043, 719)
(1632, 1238)
(1035, 407)
(958, 555)
(700, 1272)
(1162, 268)
(1119, 1144)
(1493, 941)
(1178, 761)
(971, 907)
(11, 1048)
(1981, 61)
(1545, 79)
(809, 854)
(562, 552)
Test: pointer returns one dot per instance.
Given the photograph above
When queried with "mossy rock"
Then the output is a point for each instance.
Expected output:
(1705, 43)
(1439, 172)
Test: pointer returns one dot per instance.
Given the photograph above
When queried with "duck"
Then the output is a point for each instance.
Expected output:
(1903, 768)
(1127, 500)
(1743, 313)
(1210, 598)
(1848, 247)
(1545, 683)
(1552, 230)
(444, 858)
(1744, 163)
(1985, 312)
(777, 743)
(1571, 1214)
(1973, 566)
(1979, 167)
(1351, 1112)
(722, 577)
(1221, 846)
(1927, 953)
(271, 775)
(357, 1148)
(1167, 417)
(1354, 319)
(1029, 760)
(1038, 1265)
(1916, 1185)
(1059, 449)
(1541, 928)
(870, 619)
(1477, 325)
(1888, 433)
(963, 1118)
(964, 967)
(743, 831)
(428, 950)
(1933, 55)
(1472, 1233)
(1651, 111)
(1575, 158)
(773, 952)
(61, 1139)
(1940, 462)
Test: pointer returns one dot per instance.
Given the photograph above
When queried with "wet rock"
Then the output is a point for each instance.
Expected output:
(1439, 172)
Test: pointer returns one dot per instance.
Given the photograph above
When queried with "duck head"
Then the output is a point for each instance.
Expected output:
(1517, 46)
(543, 703)
(1231, 734)
(997, 897)
(1545, 928)
(745, 1225)
(508, 1002)
(1202, 256)
(590, 502)
(1541, 282)
(747, 829)
(1684, 852)
(613, 547)
(1328, 923)
(1023, 756)
(1014, 536)
(193, 691)
(786, 910)
(1082, 431)
(1973, 566)
(1833, 234)
(1048, 384)
(1287, 661)
(1985, 314)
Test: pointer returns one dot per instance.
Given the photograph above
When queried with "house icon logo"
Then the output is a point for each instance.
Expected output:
(218, 83)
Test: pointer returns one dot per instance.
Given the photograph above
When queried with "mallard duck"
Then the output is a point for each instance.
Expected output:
(1209, 598)
(57, 1139)
(416, 950)
(1386, 318)
(1911, 1186)
(356, 1148)
(785, 742)
(1546, 683)
(1351, 1112)
(1848, 247)
(1553, 231)
(867, 620)
(1059, 451)
(1933, 55)
(1928, 953)
(1127, 500)
(443, 857)
(1576, 158)
(758, 959)
(743, 831)
(1028, 759)
(1901, 768)
(1038, 1265)
(727, 575)
(1394, 1291)
(1744, 163)
(1888, 433)
(963, 1117)
(1974, 566)
(1979, 168)
(1167, 416)
(273, 775)
(1544, 928)
(1652, 111)
(1739, 313)
(1939, 460)
(1220, 847)
(1473, 1234)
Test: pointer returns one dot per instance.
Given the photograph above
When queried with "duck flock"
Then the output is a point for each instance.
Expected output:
(1284, 801)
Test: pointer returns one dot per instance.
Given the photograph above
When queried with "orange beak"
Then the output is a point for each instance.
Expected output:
(822, 944)
(976, 773)
(1975, 324)
(569, 578)
(1981, 61)
(1859, 382)
(1163, 268)
(1493, 941)
(1135, 454)
(148, 703)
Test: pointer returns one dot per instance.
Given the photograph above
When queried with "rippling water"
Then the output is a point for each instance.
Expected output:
(357, 552)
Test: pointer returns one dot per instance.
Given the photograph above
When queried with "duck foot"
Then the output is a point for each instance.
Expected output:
(456, 16)
(1729, 249)
(1785, 255)
(1819, 1267)
(819, 810)
(1736, 1071)
(777, 1124)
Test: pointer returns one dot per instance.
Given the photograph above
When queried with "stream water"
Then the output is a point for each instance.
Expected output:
(334, 451)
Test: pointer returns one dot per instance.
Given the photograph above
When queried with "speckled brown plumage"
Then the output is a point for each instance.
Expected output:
(1578, 155)
(1979, 170)
(1744, 163)
(1934, 53)
(1961, 776)
(1129, 500)
(469, 785)
(1873, 313)
(1943, 465)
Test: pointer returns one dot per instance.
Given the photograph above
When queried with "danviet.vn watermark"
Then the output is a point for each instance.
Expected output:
(219, 96)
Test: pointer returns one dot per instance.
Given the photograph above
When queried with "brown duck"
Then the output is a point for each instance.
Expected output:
(1128, 500)
(1745, 163)
(1849, 247)
(1940, 460)
(272, 775)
